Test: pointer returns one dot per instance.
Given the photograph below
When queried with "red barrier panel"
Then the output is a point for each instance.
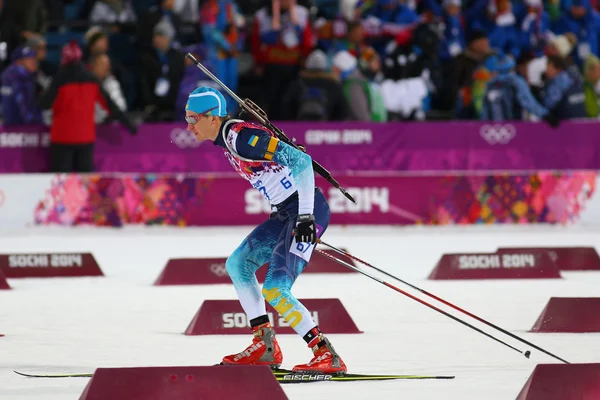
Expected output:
(532, 265)
(565, 258)
(3, 284)
(194, 271)
(206, 271)
(562, 382)
(219, 317)
(49, 265)
(569, 314)
(183, 383)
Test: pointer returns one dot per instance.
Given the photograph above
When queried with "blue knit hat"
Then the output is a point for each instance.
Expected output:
(22, 52)
(205, 99)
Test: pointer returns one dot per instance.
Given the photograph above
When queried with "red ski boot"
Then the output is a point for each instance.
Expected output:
(264, 349)
(325, 360)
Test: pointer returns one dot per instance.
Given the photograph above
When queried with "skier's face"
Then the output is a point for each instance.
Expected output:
(205, 127)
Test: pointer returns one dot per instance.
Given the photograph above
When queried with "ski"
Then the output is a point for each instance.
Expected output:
(54, 375)
(285, 376)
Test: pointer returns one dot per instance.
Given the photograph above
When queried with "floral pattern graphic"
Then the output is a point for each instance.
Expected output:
(177, 200)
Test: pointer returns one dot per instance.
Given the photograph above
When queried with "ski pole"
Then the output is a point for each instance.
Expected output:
(342, 252)
(526, 353)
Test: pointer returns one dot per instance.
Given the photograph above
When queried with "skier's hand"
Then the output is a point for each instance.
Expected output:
(305, 230)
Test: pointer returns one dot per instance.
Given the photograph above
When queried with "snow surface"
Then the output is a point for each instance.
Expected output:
(79, 324)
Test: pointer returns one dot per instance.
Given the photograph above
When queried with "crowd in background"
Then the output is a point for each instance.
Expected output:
(378, 60)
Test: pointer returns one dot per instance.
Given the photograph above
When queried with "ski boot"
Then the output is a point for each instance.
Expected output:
(325, 360)
(264, 349)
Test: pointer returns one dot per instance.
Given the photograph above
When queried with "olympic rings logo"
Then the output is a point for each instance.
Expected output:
(184, 138)
(498, 134)
(218, 269)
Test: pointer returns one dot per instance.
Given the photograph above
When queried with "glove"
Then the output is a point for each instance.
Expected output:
(552, 119)
(305, 230)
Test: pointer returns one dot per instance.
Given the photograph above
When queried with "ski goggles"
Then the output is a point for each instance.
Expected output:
(192, 119)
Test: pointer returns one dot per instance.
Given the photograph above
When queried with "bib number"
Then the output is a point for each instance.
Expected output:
(302, 250)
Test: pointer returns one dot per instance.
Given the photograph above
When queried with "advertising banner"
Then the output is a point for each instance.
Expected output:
(228, 200)
(226, 317)
(338, 146)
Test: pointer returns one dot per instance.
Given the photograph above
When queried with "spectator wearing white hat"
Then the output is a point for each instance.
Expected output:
(345, 69)
(579, 17)
(561, 46)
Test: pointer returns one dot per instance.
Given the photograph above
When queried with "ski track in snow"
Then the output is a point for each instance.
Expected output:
(121, 320)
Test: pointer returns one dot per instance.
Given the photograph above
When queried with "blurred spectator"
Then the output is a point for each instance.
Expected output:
(561, 45)
(19, 103)
(535, 28)
(563, 93)
(355, 40)
(282, 38)
(481, 76)
(507, 95)
(466, 64)
(99, 66)
(160, 13)
(187, 10)
(44, 70)
(330, 25)
(384, 20)
(591, 73)
(97, 42)
(453, 35)
(162, 71)
(222, 37)
(370, 65)
(72, 97)
(364, 100)
(497, 20)
(112, 12)
(316, 95)
(419, 59)
(20, 20)
(577, 17)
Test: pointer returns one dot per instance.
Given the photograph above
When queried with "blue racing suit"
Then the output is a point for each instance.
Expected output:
(285, 177)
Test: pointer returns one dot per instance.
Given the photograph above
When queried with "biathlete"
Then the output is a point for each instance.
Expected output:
(284, 175)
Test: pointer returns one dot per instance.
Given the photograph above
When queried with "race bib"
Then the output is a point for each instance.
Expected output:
(304, 250)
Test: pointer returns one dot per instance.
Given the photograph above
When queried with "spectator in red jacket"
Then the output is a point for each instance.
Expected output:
(282, 38)
(72, 97)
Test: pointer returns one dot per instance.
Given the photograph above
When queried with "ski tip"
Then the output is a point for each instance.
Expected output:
(78, 375)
